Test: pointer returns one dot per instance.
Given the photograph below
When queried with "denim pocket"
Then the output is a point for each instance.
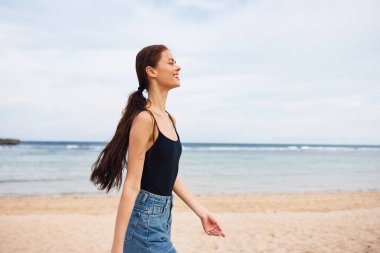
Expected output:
(132, 226)
(157, 210)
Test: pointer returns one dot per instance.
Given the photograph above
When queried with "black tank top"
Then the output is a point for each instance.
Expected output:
(161, 163)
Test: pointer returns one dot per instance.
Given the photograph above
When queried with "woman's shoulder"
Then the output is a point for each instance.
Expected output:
(144, 119)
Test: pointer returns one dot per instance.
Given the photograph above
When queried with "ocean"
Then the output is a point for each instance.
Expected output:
(58, 168)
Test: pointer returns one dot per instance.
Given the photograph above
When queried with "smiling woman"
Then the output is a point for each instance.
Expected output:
(144, 217)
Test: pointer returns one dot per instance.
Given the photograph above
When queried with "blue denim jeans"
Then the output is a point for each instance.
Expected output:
(149, 228)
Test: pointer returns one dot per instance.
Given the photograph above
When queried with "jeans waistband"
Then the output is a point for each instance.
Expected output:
(161, 198)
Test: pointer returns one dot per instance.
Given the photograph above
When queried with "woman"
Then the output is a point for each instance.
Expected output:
(143, 221)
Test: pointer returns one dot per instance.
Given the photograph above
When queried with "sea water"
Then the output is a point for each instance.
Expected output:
(56, 168)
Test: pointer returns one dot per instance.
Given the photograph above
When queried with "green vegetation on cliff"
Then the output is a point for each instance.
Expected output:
(9, 141)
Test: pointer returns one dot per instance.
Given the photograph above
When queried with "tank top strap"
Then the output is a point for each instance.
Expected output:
(154, 121)
(171, 120)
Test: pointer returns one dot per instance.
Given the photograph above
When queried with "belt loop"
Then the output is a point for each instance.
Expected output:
(145, 196)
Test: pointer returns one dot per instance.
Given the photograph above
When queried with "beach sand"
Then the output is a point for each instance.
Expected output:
(304, 222)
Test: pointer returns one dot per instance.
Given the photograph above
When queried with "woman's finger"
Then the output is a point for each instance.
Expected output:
(219, 232)
(216, 232)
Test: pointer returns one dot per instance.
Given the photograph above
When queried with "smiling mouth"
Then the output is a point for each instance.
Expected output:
(176, 76)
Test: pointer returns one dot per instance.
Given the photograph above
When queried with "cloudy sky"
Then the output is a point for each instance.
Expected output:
(252, 71)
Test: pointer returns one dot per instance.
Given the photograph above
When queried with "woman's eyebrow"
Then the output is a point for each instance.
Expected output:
(171, 59)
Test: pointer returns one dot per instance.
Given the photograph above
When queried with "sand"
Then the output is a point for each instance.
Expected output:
(308, 223)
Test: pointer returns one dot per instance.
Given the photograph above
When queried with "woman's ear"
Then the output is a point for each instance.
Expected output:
(150, 72)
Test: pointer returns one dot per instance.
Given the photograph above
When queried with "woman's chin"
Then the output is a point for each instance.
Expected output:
(177, 84)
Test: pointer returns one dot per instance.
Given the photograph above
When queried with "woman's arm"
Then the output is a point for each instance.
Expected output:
(209, 222)
(141, 128)
(183, 192)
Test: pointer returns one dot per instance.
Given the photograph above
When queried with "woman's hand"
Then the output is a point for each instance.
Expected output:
(210, 225)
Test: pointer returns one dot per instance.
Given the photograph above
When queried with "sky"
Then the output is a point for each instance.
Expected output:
(252, 71)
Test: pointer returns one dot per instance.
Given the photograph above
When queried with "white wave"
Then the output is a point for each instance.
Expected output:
(72, 146)
(97, 147)
(213, 148)
(278, 148)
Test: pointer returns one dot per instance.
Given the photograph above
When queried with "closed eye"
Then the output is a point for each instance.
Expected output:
(172, 62)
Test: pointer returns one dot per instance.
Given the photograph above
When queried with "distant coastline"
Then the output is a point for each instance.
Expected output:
(9, 141)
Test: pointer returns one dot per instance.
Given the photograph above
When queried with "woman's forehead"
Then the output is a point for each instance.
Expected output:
(167, 55)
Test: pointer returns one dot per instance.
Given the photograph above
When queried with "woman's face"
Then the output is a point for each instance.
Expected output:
(167, 71)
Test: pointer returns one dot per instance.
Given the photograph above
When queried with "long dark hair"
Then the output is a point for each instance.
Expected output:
(107, 171)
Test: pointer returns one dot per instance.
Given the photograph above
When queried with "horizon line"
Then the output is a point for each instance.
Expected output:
(230, 143)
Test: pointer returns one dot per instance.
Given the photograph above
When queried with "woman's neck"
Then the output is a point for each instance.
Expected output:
(158, 99)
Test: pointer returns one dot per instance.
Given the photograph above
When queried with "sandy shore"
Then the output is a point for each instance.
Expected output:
(307, 223)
